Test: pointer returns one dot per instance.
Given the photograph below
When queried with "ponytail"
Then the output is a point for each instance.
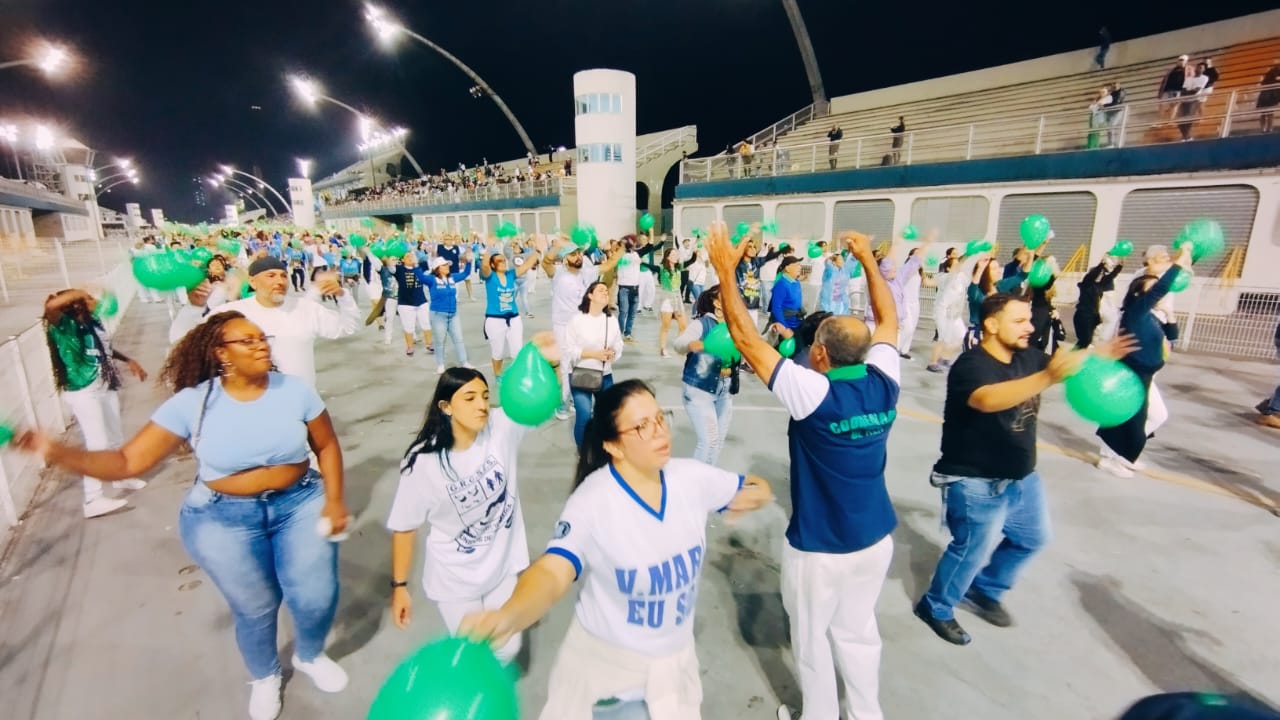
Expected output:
(602, 427)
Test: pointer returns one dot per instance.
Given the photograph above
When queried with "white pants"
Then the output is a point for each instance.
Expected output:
(1157, 411)
(558, 331)
(97, 412)
(648, 289)
(389, 313)
(831, 602)
(907, 331)
(505, 336)
(414, 317)
(453, 612)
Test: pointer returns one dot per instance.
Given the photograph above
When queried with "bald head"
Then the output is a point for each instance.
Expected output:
(845, 339)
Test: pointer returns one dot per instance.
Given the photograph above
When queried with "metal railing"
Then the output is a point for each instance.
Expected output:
(30, 398)
(664, 143)
(1132, 124)
(783, 126)
(496, 191)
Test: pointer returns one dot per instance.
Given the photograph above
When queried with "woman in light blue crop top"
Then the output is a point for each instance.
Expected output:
(254, 515)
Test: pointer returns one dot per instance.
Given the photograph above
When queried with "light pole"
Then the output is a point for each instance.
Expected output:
(107, 189)
(9, 133)
(388, 28)
(232, 184)
(310, 92)
(819, 92)
(229, 170)
(52, 60)
(129, 175)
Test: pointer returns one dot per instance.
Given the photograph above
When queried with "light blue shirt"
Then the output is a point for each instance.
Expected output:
(236, 436)
(501, 299)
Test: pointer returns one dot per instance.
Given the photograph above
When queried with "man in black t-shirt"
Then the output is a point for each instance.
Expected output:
(994, 504)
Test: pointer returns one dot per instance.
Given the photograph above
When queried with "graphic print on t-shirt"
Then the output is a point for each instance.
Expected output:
(484, 503)
(1027, 412)
(663, 593)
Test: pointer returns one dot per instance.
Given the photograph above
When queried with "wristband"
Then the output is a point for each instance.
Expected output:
(399, 584)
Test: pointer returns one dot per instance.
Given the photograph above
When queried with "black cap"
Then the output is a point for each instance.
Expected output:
(787, 262)
(264, 264)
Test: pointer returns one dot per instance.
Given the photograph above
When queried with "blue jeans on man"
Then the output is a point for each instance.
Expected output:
(628, 303)
(996, 526)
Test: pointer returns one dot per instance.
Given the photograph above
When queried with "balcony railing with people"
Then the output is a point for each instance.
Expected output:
(555, 186)
(666, 142)
(782, 127)
(1129, 125)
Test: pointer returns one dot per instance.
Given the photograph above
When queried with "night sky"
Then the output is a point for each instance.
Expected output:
(172, 84)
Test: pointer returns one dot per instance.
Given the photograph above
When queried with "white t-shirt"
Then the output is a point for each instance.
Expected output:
(477, 536)
(567, 289)
(294, 326)
(641, 565)
(317, 256)
(591, 332)
(629, 270)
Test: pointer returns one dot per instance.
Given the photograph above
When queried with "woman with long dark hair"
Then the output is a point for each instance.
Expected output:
(667, 276)
(635, 530)
(250, 518)
(709, 382)
(592, 342)
(84, 372)
(459, 476)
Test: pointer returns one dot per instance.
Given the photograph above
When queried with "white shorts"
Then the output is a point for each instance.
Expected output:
(669, 302)
(453, 612)
(414, 317)
(504, 335)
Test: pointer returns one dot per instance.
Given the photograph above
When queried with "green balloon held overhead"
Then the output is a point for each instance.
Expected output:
(1105, 391)
(1040, 274)
(358, 241)
(743, 229)
(910, 233)
(530, 390)
(378, 249)
(506, 229)
(646, 222)
(230, 246)
(202, 255)
(397, 248)
(719, 343)
(6, 435)
(697, 233)
(787, 347)
(977, 245)
(1205, 236)
(1122, 248)
(164, 272)
(1182, 281)
(769, 228)
(857, 269)
(450, 679)
(107, 307)
(582, 235)
(1034, 231)
(931, 261)
(815, 250)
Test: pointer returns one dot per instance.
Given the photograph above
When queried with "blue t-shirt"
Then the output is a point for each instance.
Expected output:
(452, 254)
(500, 299)
(236, 436)
(837, 438)
(331, 258)
(350, 266)
(444, 291)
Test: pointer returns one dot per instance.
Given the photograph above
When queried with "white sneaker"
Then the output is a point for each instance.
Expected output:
(1137, 465)
(130, 484)
(439, 369)
(784, 712)
(469, 366)
(264, 698)
(562, 414)
(324, 672)
(102, 505)
(1115, 467)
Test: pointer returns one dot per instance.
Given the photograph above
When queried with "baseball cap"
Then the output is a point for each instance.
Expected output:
(436, 262)
(264, 264)
(787, 262)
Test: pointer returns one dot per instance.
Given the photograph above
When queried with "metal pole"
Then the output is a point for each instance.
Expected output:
(1226, 121)
(911, 142)
(4, 285)
(968, 151)
(524, 137)
(1124, 125)
(412, 160)
(62, 263)
(820, 103)
(265, 184)
(1040, 134)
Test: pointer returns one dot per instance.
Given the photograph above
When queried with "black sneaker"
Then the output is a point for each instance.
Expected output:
(1264, 407)
(987, 609)
(905, 356)
(948, 630)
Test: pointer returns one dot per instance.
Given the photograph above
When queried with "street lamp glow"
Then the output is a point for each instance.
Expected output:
(52, 60)
(306, 89)
(9, 133)
(226, 169)
(44, 137)
(125, 163)
(304, 167)
(384, 26)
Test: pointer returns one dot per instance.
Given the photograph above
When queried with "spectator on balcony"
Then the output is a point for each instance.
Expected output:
(834, 136)
(898, 131)
(1209, 72)
(1171, 89)
(746, 153)
(1268, 96)
(1193, 95)
(1104, 46)
(1098, 119)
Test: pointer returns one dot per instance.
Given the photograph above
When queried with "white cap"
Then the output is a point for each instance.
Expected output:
(436, 262)
(1184, 58)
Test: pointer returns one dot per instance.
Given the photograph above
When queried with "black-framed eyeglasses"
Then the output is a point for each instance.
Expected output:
(248, 342)
(648, 427)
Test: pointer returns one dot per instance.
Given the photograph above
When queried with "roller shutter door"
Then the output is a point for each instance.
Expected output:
(958, 219)
(801, 220)
(1155, 217)
(696, 218)
(1070, 214)
(869, 217)
(734, 214)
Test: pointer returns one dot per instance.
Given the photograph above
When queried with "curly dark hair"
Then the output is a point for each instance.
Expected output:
(90, 330)
(192, 360)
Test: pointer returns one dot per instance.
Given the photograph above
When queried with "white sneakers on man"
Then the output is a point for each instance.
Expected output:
(130, 484)
(102, 505)
(1114, 466)
(264, 698)
(327, 675)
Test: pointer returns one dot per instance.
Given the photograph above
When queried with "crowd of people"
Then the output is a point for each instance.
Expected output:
(446, 184)
(270, 467)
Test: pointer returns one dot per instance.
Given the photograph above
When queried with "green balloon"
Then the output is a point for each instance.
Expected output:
(246, 290)
(397, 248)
(1206, 238)
(295, 244)
(1105, 391)
(530, 390)
(931, 261)
(1034, 231)
(6, 434)
(857, 269)
(743, 229)
(1041, 273)
(202, 255)
(107, 307)
(358, 241)
(977, 245)
(1181, 282)
(507, 229)
(910, 233)
(1121, 249)
(582, 235)
(366, 223)
(719, 343)
(230, 246)
(646, 222)
(623, 261)
(769, 228)
(449, 679)
(815, 250)
(787, 347)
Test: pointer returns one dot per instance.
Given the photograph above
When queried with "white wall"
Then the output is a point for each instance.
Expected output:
(606, 183)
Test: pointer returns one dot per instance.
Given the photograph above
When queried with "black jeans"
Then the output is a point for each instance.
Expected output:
(1129, 438)
(1086, 324)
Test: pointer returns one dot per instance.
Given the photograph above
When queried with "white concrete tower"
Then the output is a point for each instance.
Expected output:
(605, 132)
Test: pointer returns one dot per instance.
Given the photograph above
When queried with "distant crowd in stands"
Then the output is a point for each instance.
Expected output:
(464, 179)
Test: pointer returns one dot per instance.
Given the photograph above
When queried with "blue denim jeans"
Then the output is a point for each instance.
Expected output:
(998, 524)
(628, 303)
(710, 414)
(259, 550)
(441, 323)
(583, 401)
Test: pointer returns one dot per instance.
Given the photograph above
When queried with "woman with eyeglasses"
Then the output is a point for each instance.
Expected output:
(503, 327)
(251, 518)
(459, 477)
(632, 633)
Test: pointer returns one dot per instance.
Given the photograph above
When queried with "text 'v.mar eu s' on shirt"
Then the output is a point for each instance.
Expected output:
(837, 438)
